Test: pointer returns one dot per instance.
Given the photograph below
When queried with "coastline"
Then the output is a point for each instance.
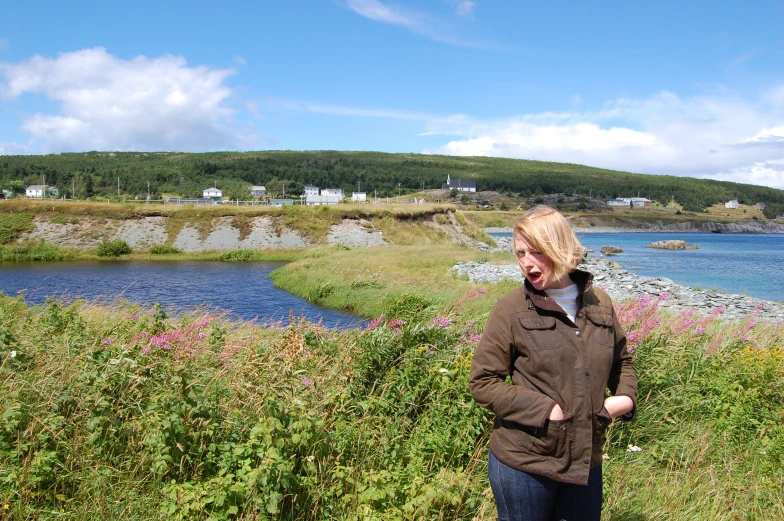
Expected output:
(622, 285)
(685, 227)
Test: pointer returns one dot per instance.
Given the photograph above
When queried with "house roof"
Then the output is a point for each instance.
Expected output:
(462, 183)
(36, 187)
(254, 188)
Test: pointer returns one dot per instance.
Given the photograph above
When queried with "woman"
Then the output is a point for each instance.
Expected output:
(559, 340)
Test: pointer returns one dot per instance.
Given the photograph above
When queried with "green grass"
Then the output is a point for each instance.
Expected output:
(12, 225)
(39, 250)
(121, 412)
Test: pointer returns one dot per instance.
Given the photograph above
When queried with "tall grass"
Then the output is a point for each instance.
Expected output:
(123, 412)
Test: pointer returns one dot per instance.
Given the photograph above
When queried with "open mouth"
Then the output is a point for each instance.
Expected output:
(535, 278)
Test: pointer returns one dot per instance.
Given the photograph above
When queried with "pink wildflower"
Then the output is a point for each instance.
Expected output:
(107, 341)
(307, 382)
(395, 323)
(373, 324)
(201, 336)
(441, 321)
(397, 331)
(700, 330)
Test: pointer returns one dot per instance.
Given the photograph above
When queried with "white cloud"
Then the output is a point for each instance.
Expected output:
(464, 7)
(423, 24)
(239, 60)
(14, 149)
(107, 103)
(719, 136)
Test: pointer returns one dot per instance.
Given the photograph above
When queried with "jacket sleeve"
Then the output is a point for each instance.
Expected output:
(493, 361)
(623, 379)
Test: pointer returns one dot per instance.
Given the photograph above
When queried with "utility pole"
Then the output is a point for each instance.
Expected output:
(284, 191)
(398, 192)
(73, 188)
(118, 187)
(148, 192)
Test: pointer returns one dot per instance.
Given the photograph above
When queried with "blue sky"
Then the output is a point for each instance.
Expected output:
(680, 88)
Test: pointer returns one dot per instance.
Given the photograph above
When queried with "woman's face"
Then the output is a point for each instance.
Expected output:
(536, 267)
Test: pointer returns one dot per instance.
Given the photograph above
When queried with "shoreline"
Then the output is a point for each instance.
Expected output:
(622, 285)
(611, 229)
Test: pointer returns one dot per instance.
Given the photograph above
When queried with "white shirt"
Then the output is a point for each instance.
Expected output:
(566, 298)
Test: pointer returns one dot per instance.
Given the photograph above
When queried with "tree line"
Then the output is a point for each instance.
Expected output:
(89, 174)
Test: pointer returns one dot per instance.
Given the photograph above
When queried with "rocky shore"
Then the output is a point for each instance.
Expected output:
(682, 227)
(622, 285)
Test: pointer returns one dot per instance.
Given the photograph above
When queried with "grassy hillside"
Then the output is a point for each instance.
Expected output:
(96, 174)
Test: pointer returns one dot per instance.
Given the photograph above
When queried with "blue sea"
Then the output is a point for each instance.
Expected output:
(747, 264)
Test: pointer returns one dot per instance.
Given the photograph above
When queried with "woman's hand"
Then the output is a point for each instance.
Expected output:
(618, 405)
(557, 414)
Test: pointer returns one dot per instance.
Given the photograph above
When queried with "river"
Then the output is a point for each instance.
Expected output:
(751, 264)
(242, 288)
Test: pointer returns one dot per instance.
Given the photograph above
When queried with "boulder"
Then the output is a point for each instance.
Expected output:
(611, 250)
(673, 245)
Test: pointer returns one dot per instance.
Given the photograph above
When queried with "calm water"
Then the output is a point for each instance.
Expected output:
(243, 288)
(734, 263)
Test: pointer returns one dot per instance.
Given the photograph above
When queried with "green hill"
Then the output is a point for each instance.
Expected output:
(187, 174)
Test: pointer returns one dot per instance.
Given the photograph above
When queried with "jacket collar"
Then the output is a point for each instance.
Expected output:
(539, 299)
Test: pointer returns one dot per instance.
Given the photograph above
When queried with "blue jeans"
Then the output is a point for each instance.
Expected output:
(520, 496)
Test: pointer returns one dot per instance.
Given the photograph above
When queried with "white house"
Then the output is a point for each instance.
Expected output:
(759, 206)
(212, 193)
(36, 191)
(316, 200)
(258, 191)
(332, 192)
(629, 201)
(359, 197)
(731, 204)
(461, 185)
(311, 190)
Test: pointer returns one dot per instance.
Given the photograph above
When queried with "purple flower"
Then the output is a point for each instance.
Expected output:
(201, 336)
(441, 321)
(107, 341)
(307, 382)
(700, 330)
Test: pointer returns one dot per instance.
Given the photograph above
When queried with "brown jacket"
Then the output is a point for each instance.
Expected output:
(551, 360)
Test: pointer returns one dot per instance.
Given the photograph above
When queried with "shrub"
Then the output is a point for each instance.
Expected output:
(113, 248)
(163, 249)
(34, 251)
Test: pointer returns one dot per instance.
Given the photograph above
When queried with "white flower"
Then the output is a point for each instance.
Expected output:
(13, 354)
(633, 448)
(443, 371)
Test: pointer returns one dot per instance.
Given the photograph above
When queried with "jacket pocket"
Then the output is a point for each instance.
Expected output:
(601, 420)
(603, 326)
(541, 331)
(551, 440)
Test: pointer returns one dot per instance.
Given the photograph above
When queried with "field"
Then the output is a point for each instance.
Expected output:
(119, 411)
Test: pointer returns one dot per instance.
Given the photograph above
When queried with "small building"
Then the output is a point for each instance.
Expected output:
(36, 191)
(359, 197)
(316, 200)
(7, 193)
(640, 201)
(212, 193)
(332, 192)
(629, 201)
(258, 191)
(461, 185)
(731, 204)
(53, 191)
(311, 190)
(759, 206)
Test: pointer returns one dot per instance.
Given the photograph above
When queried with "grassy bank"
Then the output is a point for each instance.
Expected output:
(123, 412)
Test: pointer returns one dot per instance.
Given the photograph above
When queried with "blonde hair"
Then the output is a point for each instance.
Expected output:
(549, 232)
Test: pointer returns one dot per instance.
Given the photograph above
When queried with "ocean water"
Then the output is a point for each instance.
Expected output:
(751, 264)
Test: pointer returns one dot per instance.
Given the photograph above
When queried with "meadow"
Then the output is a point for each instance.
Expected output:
(117, 410)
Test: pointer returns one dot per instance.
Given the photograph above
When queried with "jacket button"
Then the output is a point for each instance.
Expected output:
(587, 373)
(587, 461)
(577, 333)
(539, 324)
(589, 415)
(604, 321)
